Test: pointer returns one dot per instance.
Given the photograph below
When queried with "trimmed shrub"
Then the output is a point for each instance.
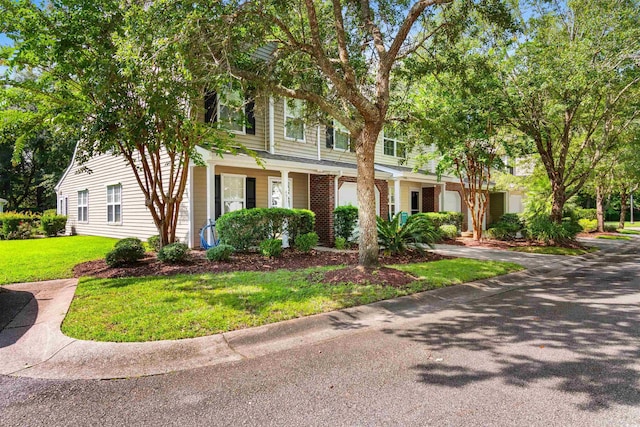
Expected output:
(506, 228)
(345, 219)
(306, 242)
(588, 225)
(125, 251)
(52, 224)
(220, 253)
(443, 218)
(16, 225)
(610, 228)
(155, 243)
(340, 243)
(541, 228)
(246, 228)
(582, 213)
(448, 231)
(271, 248)
(396, 238)
(173, 253)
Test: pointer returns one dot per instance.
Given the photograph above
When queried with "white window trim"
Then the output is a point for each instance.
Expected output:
(86, 205)
(419, 191)
(396, 141)
(338, 126)
(218, 108)
(304, 125)
(273, 179)
(244, 191)
(392, 202)
(114, 204)
(63, 205)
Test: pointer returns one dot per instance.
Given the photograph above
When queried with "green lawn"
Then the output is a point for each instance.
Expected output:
(48, 258)
(554, 250)
(157, 308)
(625, 231)
(611, 237)
(626, 224)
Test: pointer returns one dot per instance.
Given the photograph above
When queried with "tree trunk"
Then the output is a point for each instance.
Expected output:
(365, 151)
(600, 208)
(624, 205)
(559, 199)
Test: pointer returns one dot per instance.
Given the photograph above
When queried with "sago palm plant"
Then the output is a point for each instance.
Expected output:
(394, 237)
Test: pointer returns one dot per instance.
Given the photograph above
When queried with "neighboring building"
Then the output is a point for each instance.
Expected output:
(311, 164)
(2, 203)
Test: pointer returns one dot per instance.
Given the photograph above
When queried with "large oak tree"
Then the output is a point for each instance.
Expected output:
(339, 56)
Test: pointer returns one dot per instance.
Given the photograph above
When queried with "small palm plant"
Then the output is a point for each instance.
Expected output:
(417, 232)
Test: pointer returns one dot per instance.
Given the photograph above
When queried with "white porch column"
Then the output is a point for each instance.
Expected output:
(398, 199)
(211, 191)
(193, 228)
(444, 188)
(284, 174)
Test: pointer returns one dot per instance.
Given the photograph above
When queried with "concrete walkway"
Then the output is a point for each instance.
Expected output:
(32, 345)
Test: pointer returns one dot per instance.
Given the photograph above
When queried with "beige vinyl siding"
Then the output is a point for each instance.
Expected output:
(136, 219)
(199, 198)
(300, 190)
(307, 149)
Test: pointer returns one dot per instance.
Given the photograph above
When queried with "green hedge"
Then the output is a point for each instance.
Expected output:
(444, 218)
(52, 224)
(247, 228)
(17, 225)
(582, 213)
(507, 227)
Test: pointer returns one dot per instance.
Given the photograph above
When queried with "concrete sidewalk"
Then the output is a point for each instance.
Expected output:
(32, 345)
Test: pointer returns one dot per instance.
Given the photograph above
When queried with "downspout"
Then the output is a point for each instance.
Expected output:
(318, 142)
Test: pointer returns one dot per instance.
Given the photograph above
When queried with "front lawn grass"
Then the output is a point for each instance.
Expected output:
(625, 231)
(158, 308)
(48, 258)
(554, 250)
(612, 237)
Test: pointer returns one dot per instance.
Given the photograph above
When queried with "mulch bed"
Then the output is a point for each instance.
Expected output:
(500, 244)
(290, 259)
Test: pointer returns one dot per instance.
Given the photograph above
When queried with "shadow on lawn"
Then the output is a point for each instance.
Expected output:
(11, 304)
(578, 331)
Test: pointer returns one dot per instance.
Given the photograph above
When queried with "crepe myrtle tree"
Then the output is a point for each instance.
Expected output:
(123, 68)
(338, 56)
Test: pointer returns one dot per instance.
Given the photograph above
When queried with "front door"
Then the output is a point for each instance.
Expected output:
(415, 202)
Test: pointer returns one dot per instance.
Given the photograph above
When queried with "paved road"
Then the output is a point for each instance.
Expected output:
(562, 352)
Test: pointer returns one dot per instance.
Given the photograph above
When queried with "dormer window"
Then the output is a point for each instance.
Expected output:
(293, 120)
(394, 144)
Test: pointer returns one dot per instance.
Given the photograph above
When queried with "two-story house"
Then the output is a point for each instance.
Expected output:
(304, 166)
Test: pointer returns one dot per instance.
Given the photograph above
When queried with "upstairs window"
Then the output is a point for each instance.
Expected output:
(83, 206)
(231, 111)
(394, 144)
(293, 120)
(341, 137)
(114, 204)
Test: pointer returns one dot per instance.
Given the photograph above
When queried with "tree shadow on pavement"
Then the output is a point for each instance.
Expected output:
(578, 332)
(11, 304)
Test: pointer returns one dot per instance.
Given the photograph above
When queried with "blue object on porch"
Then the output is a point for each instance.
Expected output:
(404, 216)
(204, 234)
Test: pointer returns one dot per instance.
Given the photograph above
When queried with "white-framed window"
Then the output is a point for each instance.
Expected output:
(233, 192)
(62, 205)
(341, 137)
(394, 144)
(114, 204)
(392, 202)
(83, 206)
(276, 191)
(293, 120)
(231, 111)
